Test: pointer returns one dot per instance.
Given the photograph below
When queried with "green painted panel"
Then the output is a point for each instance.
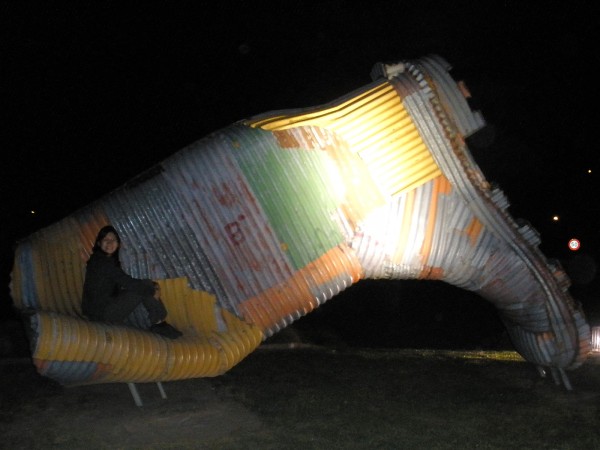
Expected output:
(295, 191)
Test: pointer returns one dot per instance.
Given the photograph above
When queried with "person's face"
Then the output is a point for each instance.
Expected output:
(109, 244)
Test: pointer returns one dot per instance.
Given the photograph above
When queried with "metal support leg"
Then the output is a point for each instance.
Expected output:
(555, 375)
(565, 379)
(134, 392)
(136, 395)
(161, 390)
(560, 377)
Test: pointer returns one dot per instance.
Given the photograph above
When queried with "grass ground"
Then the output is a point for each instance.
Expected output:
(311, 397)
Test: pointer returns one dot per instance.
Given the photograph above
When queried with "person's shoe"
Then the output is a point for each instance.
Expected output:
(166, 330)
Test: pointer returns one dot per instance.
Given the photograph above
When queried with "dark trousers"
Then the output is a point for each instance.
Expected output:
(122, 306)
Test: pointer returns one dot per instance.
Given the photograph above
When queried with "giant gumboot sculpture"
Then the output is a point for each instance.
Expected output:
(261, 222)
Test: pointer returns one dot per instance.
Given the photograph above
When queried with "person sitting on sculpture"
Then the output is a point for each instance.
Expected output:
(111, 295)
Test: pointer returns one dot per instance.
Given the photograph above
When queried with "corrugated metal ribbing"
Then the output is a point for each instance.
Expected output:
(157, 243)
(49, 266)
(58, 268)
(231, 224)
(353, 189)
(74, 351)
(521, 284)
(306, 196)
(297, 183)
(22, 285)
(260, 223)
(454, 101)
(243, 209)
(377, 127)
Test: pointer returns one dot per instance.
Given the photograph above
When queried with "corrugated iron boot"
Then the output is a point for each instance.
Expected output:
(259, 223)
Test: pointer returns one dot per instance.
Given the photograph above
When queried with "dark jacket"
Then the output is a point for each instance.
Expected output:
(105, 280)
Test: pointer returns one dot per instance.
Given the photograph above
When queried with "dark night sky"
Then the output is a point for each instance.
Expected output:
(93, 93)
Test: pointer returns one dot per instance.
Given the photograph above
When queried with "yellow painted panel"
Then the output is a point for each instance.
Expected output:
(369, 124)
